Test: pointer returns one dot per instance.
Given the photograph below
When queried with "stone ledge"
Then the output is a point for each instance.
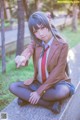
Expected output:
(30, 112)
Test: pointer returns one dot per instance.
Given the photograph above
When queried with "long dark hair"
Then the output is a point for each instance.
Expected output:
(40, 18)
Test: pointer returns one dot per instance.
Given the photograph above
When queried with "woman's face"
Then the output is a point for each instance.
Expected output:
(42, 33)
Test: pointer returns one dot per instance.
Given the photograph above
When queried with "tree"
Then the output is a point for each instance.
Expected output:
(3, 37)
(75, 18)
(26, 8)
(7, 12)
(20, 37)
(37, 4)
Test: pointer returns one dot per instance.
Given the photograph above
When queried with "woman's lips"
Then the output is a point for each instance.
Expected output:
(43, 37)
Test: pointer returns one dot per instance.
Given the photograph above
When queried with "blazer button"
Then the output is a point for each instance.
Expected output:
(44, 91)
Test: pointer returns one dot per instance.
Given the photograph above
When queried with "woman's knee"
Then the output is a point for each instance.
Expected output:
(63, 91)
(13, 86)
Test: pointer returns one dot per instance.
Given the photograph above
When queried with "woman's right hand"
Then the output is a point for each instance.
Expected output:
(20, 61)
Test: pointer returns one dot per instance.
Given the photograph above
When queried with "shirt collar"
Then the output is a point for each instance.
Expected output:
(49, 43)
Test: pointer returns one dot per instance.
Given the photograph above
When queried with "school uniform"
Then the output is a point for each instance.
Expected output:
(56, 61)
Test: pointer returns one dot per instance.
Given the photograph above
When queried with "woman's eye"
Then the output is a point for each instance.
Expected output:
(35, 31)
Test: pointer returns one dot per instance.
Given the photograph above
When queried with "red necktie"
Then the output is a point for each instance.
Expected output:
(43, 64)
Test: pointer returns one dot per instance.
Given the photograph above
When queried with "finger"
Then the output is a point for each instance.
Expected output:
(23, 64)
(36, 101)
(18, 65)
(17, 59)
(31, 100)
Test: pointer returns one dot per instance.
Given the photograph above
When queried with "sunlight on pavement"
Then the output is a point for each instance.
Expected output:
(71, 56)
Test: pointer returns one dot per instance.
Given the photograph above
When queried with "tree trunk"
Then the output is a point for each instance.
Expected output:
(25, 5)
(7, 11)
(3, 37)
(20, 37)
(37, 4)
(75, 18)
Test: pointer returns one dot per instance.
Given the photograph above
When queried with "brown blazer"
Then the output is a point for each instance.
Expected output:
(56, 64)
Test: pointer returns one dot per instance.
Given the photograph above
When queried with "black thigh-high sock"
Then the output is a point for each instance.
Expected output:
(20, 90)
(23, 92)
(58, 93)
(44, 103)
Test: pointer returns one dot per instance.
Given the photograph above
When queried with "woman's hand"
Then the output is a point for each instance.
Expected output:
(34, 98)
(20, 61)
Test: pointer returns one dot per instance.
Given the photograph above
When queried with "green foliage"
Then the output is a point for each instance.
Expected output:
(6, 23)
(71, 37)
(51, 5)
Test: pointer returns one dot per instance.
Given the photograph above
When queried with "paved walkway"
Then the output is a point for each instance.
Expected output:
(74, 63)
(30, 112)
(11, 36)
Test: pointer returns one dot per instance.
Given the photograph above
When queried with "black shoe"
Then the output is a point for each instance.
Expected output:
(56, 108)
(21, 102)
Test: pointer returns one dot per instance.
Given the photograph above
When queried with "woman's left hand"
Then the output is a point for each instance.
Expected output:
(34, 98)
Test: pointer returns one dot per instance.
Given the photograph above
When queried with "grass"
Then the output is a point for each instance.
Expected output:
(71, 37)
(12, 74)
(6, 23)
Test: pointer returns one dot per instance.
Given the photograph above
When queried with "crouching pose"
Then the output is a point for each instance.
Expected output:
(50, 83)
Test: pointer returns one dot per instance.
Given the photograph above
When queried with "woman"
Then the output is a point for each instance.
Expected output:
(50, 83)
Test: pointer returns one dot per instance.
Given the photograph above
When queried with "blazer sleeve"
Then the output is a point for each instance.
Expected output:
(55, 73)
(29, 50)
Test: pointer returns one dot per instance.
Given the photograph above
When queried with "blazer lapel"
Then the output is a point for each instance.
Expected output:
(38, 52)
(53, 48)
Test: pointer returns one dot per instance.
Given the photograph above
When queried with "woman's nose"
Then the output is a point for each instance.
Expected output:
(40, 32)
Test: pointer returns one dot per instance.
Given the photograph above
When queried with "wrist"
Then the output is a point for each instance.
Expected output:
(42, 93)
(26, 56)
